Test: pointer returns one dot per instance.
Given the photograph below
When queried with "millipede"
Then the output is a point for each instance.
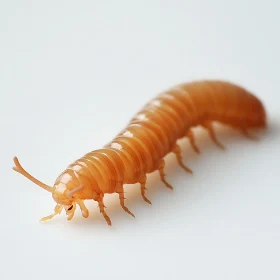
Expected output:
(150, 135)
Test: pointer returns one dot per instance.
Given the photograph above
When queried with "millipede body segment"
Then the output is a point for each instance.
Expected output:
(150, 135)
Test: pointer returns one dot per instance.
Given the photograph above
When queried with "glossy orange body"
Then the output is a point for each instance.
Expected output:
(153, 133)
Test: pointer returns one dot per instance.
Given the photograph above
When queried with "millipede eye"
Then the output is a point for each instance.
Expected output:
(70, 208)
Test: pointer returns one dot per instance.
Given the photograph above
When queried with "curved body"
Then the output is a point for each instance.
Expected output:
(153, 133)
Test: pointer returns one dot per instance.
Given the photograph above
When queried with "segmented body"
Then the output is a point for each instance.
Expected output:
(153, 133)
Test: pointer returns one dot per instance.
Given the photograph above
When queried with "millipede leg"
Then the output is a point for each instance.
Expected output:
(212, 134)
(248, 135)
(192, 141)
(142, 182)
(83, 208)
(162, 175)
(71, 212)
(122, 198)
(102, 210)
(177, 152)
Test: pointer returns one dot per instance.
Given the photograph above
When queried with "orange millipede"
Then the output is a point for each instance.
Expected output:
(150, 135)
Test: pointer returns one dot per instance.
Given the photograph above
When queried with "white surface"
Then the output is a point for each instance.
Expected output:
(72, 73)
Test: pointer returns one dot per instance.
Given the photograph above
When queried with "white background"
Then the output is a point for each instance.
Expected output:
(72, 74)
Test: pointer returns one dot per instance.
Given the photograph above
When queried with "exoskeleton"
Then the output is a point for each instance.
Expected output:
(150, 135)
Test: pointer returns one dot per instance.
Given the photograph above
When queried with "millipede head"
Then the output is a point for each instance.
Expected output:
(60, 193)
